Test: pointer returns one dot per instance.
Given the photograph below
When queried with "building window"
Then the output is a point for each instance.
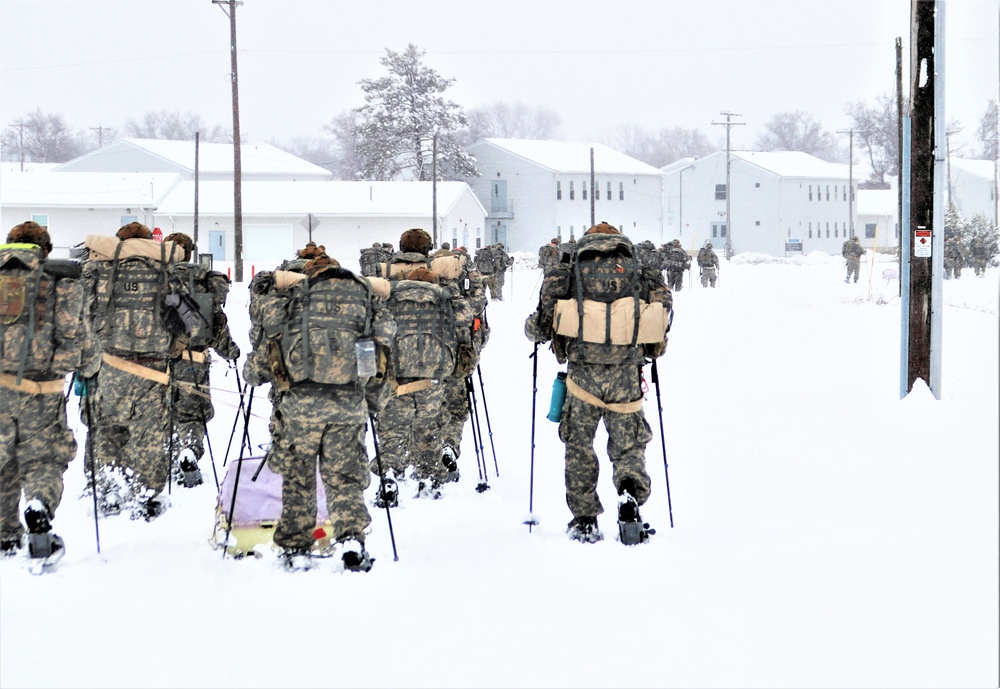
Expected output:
(584, 191)
(835, 192)
(715, 230)
(828, 232)
(810, 192)
(558, 191)
(810, 233)
(609, 191)
(722, 231)
(827, 192)
(757, 185)
(125, 219)
(572, 192)
(845, 193)
(870, 230)
(621, 191)
(720, 192)
(43, 219)
(835, 231)
(757, 223)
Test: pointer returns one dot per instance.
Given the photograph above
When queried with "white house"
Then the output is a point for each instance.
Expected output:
(534, 190)
(972, 185)
(258, 162)
(877, 221)
(780, 202)
(343, 216)
(75, 204)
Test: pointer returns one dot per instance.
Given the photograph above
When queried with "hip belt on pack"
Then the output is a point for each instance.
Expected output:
(31, 387)
(620, 407)
(136, 369)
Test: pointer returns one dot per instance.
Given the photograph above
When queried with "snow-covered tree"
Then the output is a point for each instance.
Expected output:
(42, 138)
(797, 131)
(403, 113)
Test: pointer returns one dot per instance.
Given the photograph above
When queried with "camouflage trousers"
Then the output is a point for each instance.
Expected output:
(952, 269)
(708, 276)
(628, 435)
(132, 427)
(493, 282)
(455, 412)
(322, 428)
(853, 268)
(675, 279)
(409, 434)
(501, 278)
(36, 447)
(192, 408)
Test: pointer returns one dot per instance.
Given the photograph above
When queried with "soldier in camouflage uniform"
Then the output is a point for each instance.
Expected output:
(954, 258)
(458, 273)
(978, 253)
(410, 426)
(126, 296)
(36, 446)
(548, 254)
(323, 412)
(504, 261)
(604, 377)
(852, 251)
(488, 264)
(192, 406)
(708, 264)
(676, 261)
(371, 257)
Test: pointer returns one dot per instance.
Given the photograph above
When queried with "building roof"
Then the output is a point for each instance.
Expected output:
(331, 198)
(973, 168)
(86, 189)
(793, 164)
(213, 158)
(562, 156)
(877, 202)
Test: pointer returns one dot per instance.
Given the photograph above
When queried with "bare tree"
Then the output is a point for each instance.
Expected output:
(797, 131)
(42, 138)
(348, 163)
(659, 149)
(988, 132)
(175, 126)
(877, 128)
(518, 121)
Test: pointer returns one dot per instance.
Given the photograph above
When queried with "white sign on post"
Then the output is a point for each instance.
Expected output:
(922, 243)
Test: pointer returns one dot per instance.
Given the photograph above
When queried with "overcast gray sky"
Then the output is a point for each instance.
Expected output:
(599, 64)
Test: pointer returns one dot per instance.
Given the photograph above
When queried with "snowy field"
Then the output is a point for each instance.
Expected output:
(826, 533)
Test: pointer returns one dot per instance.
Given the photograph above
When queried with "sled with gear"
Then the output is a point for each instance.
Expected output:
(257, 510)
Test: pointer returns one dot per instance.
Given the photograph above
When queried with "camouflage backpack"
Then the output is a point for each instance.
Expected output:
(370, 258)
(40, 305)
(142, 308)
(426, 342)
(486, 260)
(209, 290)
(313, 326)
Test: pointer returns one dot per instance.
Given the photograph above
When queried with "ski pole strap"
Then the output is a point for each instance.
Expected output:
(619, 407)
(415, 386)
(31, 387)
(137, 369)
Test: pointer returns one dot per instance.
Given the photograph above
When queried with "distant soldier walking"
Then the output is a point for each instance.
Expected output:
(852, 251)
(708, 263)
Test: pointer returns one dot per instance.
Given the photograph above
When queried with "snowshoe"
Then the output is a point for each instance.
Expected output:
(151, 508)
(296, 560)
(44, 551)
(631, 529)
(189, 475)
(448, 458)
(355, 557)
(388, 494)
(9, 545)
(584, 529)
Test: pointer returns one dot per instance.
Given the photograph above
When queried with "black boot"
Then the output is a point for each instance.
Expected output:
(584, 529)
(631, 529)
(388, 494)
(44, 547)
(355, 557)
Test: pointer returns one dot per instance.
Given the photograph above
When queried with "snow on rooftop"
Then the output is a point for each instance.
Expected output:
(85, 189)
(562, 156)
(794, 164)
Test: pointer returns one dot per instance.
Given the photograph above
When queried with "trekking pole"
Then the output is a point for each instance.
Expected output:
(239, 466)
(489, 427)
(531, 521)
(239, 409)
(381, 479)
(663, 442)
(93, 469)
(484, 482)
(172, 392)
(477, 428)
(204, 421)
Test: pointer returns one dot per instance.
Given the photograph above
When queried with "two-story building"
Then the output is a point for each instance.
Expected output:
(534, 190)
(973, 187)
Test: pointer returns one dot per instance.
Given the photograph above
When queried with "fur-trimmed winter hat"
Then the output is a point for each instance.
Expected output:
(311, 250)
(415, 240)
(30, 232)
(602, 228)
(318, 264)
(134, 230)
(182, 240)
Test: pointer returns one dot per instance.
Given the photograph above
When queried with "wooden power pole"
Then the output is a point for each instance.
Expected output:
(237, 165)
(729, 124)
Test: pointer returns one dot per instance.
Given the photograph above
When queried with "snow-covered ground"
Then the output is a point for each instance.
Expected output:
(826, 533)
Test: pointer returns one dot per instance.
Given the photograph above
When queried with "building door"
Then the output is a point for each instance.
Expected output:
(498, 196)
(217, 244)
(499, 233)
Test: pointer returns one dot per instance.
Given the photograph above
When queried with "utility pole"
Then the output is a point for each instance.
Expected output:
(237, 164)
(434, 184)
(947, 138)
(899, 144)
(729, 124)
(197, 141)
(20, 125)
(100, 134)
(593, 189)
(850, 176)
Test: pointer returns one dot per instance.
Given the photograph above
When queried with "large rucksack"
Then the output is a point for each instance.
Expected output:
(40, 305)
(208, 289)
(486, 261)
(602, 308)
(142, 308)
(426, 342)
(317, 324)
(370, 258)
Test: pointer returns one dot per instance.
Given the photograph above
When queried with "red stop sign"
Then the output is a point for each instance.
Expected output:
(158, 234)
